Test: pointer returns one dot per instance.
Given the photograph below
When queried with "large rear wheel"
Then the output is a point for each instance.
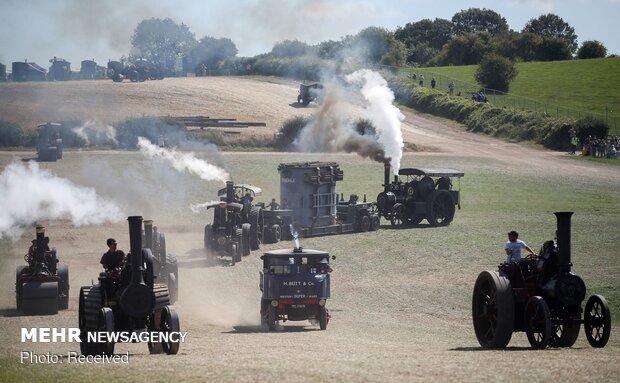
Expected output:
(440, 208)
(246, 238)
(255, 219)
(493, 310)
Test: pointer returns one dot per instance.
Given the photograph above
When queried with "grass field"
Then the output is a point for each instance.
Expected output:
(591, 86)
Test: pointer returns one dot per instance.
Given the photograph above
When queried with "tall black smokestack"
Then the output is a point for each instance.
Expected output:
(148, 233)
(137, 300)
(135, 248)
(40, 254)
(386, 176)
(564, 229)
(230, 191)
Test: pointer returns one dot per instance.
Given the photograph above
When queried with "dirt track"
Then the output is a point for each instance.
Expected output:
(393, 325)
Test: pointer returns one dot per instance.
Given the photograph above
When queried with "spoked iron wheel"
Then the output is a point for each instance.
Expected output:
(440, 208)
(537, 322)
(597, 321)
(397, 217)
(493, 310)
(170, 324)
(565, 330)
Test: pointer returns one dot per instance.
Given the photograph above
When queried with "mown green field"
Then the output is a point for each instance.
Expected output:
(590, 86)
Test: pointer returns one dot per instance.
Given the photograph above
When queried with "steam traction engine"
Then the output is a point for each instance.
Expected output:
(127, 299)
(541, 296)
(41, 287)
(165, 265)
(424, 194)
(227, 235)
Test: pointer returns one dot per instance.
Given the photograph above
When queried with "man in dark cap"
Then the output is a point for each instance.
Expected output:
(513, 247)
(113, 258)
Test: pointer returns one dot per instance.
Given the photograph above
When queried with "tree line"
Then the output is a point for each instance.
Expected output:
(472, 36)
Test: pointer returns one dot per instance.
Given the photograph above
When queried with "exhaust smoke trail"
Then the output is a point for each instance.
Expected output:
(184, 161)
(330, 130)
(382, 113)
(30, 194)
(96, 134)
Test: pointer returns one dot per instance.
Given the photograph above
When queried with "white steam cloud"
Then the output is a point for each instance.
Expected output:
(331, 129)
(184, 161)
(96, 134)
(30, 194)
(199, 207)
(382, 113)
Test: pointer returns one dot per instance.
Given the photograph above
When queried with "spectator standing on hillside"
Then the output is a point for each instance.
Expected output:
(573, 144)
(433, 83)
(451, 87)
(421, 80)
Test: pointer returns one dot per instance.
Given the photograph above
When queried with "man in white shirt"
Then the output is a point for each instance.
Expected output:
(513, 247)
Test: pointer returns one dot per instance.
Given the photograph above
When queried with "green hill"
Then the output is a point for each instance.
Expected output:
(573, 88)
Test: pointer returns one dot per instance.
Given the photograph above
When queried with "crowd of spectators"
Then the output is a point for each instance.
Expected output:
(601, 147)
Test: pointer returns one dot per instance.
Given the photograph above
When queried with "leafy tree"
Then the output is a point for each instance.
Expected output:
(290, 48)
(162, 41)
(465, 49)
(526, 44)
(505, 46)
(591, 49)
(425, 32)
(496, 72)
(421, 54)
(329, 49)
(479, 20)
(10, 134)
(551, 25)
(378, 46)
(552, 49)
(211, 51)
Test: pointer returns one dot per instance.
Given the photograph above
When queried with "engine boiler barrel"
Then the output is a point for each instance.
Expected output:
(148, 233)
(564, 239)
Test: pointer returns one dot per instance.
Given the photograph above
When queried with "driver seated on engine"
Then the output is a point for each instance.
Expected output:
(113, 259)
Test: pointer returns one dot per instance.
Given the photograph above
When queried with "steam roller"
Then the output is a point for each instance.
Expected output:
(41, 287)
